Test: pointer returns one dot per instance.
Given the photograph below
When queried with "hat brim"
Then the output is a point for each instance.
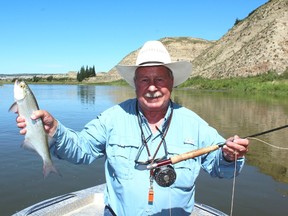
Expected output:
(181, 71)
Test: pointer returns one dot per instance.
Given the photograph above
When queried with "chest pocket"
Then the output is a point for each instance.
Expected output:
(121, 152)
(187, 170)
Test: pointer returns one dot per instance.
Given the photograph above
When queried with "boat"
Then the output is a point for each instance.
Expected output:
(88, 202)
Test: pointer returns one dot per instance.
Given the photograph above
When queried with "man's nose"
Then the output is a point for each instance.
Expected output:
(152, 85)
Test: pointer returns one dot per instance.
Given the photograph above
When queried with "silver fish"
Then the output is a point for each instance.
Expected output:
(35, 138)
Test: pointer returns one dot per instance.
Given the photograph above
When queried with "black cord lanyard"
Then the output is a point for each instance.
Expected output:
(144, 141)
(151, 160)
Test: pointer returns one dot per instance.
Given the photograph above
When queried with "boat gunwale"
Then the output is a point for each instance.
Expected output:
(71, 204)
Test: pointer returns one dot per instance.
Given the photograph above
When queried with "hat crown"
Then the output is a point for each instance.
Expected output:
(153, 52)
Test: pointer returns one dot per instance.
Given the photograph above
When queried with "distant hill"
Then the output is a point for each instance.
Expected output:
(255, 45)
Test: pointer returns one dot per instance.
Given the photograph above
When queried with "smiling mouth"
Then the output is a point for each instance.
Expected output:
(152, 95)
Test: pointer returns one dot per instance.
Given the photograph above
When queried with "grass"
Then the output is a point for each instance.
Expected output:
(114, 83)
(270, 82)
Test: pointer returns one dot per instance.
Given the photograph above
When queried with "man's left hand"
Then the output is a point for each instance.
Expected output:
(235, 148)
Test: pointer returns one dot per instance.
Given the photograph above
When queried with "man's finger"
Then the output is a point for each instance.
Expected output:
(23, 131)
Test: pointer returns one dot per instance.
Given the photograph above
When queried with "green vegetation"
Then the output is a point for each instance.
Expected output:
(237, 21)
(85, 73)
(120, 82)
(270, 82)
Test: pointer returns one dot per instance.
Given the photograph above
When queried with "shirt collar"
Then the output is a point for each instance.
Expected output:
(166, 117)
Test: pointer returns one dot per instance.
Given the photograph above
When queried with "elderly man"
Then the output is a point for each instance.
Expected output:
(141, 131)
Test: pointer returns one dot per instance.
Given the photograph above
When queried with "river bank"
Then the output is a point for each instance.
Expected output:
(270, 83)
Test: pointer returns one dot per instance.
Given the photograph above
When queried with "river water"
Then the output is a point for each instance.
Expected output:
(261, 189)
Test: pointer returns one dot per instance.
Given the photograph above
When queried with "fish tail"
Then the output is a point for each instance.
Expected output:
(48, 168)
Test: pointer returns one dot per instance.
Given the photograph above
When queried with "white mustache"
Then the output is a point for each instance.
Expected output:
(153, 94)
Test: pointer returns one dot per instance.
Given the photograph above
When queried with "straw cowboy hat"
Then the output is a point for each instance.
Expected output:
(153, 53)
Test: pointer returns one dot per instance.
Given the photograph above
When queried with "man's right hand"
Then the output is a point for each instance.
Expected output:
(49, 122)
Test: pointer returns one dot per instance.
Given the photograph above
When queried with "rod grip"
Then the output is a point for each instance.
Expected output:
(194, 153)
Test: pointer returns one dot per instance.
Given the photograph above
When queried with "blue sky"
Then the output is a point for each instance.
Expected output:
(57, 36)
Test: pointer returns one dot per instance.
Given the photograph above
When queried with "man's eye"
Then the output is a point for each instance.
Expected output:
(159, 80)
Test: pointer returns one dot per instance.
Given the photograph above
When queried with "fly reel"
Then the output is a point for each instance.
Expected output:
(164, 176)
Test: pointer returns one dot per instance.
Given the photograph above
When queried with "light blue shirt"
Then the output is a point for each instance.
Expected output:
(115, 134)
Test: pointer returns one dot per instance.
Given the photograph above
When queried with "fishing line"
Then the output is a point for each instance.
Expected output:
(170, 200)
(233, 187)
(269, 144)
(252, 137)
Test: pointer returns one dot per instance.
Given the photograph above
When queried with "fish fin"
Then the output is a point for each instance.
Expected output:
(48, 168)
(27, 145)
(13, 108)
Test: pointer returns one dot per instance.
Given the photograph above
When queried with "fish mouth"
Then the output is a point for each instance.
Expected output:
(19, 90)
(16, 83)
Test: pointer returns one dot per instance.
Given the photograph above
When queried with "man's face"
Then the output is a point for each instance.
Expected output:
(153, 87)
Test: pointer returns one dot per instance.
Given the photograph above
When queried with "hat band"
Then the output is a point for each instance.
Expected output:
(151, 62)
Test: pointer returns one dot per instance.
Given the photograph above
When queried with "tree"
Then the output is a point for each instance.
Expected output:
(237, 21)
(85, 73)
(93, 72)
(35, 79)
(49, 78)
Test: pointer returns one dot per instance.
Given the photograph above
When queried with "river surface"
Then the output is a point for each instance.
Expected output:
(261, 189)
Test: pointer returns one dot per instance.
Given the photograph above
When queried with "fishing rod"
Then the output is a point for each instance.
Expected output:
(199, 152)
